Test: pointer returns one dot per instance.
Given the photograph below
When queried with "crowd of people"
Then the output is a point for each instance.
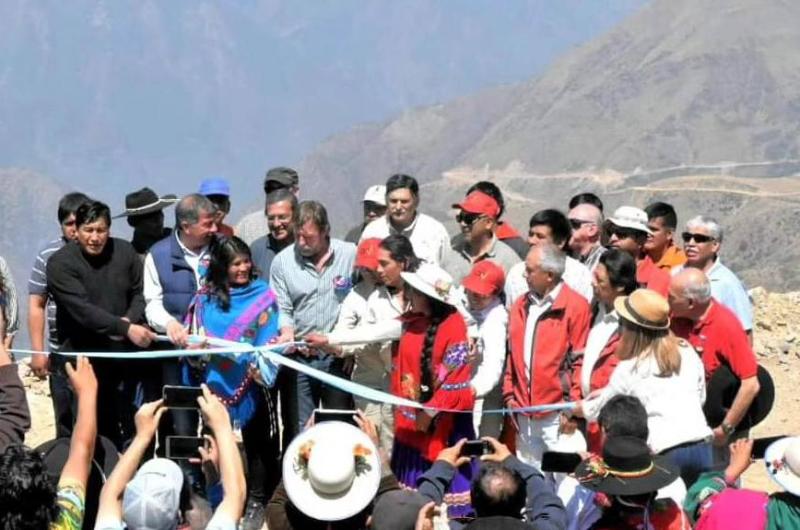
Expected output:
(590, 339)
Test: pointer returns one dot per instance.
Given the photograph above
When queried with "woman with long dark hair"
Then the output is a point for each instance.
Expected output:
(613, 277)
(236, 305)
(431, 366)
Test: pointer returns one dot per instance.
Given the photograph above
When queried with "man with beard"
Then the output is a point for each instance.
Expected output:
(311, 277)
(280, 211)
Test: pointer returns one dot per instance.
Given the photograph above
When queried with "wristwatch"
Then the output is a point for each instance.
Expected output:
(727, 428)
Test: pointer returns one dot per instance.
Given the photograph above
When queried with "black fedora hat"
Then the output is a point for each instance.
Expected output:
(627, 468)
(721, 390)
(145, 201)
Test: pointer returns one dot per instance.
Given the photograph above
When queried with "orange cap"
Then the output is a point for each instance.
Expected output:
(486, 278)
(367, 254)
(479, 202)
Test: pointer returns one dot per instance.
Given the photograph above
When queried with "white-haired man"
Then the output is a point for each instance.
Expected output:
(702, 241)
(715, 332)
(547, 333)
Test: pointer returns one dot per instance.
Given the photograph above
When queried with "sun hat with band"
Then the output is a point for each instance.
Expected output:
(331, 471)
(644, 308)
(782, 459)
(433, 281)
(145, 201)
(367, 253)
(486, 278)
(626, 468)
(629, 217)
(478, 202)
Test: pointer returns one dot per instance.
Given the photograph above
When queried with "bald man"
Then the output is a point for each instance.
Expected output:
(586, 221)
(719, 338)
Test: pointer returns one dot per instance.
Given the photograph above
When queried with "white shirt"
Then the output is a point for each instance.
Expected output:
(427, 235)
(674, 404)
(576, 276)
(536, 309)
(373, 358)
(157, 316)
(604, 327)
(492, 332)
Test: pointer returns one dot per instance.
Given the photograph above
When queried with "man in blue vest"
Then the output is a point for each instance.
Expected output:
(173, 271)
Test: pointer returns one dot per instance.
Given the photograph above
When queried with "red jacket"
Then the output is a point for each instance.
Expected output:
(559, 338)
(648, 275)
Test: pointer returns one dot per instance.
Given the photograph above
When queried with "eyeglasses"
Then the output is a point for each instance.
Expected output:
(576, 224)
(468, 219)
(698, 238)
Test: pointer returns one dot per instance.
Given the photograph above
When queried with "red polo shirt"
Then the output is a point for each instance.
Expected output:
(719, 337)
(648, 275)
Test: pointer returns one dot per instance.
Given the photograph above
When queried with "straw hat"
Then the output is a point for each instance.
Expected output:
(644, 308)
(433, 281)
(782, 459)
(331, 471)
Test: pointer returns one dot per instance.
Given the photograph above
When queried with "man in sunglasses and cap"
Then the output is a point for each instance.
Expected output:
(477, 219)
(627, 230)
(701, 242)
(144, 212)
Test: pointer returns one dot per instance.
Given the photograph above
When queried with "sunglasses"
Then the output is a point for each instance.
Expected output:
(576, 224)
(468, 218)
(622, 233)
(698, 238)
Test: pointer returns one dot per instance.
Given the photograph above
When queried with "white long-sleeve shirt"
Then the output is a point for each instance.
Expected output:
(427, 235)
(492, 332)
(157, 316)
(357, 320)
(674, 404)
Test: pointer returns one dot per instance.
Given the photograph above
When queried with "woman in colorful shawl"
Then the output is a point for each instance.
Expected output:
(236, 306)
(431, 366)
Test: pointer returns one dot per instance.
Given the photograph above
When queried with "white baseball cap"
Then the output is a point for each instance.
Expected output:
(376, 194)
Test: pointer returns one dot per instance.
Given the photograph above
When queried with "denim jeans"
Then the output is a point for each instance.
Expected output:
(65, 406)
(691, 459)
(301, 394)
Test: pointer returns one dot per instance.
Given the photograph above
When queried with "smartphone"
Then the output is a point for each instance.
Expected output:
(184, 447)
(476, 448)
(347, 416)
(760, 445)
(181, 397)
(556, 462)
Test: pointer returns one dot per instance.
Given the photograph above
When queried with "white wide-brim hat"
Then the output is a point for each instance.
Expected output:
(433, 281)
(630, 217)
(782, 459)
(328, 488)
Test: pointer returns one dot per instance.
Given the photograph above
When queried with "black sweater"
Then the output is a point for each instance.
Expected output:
(93, 293)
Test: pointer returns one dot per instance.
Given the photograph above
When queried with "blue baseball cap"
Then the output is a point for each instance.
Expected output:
(215, 186)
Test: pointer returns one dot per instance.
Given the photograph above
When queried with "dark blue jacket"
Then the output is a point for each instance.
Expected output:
(176, 276)
(543, 510)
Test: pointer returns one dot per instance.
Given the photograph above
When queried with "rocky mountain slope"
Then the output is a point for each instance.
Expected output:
(679, 83)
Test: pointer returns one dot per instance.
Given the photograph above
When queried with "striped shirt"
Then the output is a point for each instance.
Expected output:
(37, 285)
(9, 299)
(309, 300)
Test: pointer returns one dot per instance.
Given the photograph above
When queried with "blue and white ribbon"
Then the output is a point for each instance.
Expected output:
(276, 354)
